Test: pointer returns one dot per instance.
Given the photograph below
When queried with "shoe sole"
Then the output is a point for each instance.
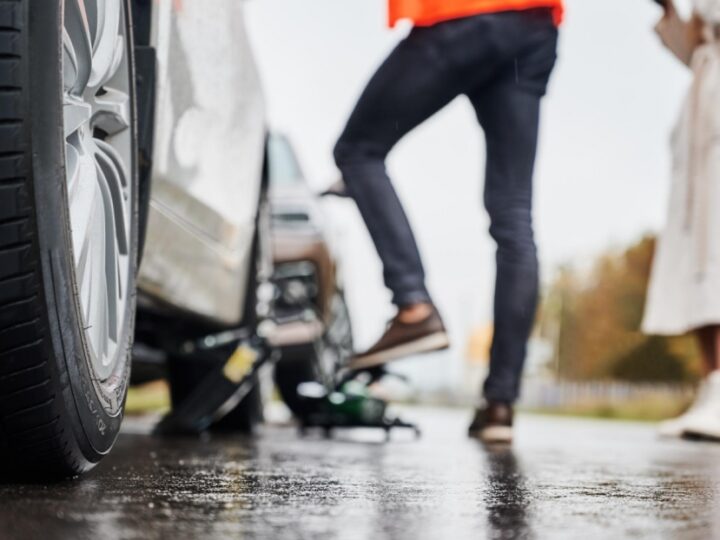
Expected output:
(494, 435)
(434, 342)
(702, 435)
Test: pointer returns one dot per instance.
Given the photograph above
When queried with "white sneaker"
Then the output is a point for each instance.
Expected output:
(703, 417)
(704, 427)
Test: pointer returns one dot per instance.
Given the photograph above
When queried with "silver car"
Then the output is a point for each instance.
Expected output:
(130, 130)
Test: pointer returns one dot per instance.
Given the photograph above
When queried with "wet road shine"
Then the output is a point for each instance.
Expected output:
(565, 479)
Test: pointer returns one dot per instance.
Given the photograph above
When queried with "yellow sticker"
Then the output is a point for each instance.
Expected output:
(239, 364)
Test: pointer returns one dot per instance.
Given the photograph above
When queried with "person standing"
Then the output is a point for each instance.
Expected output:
(684, 290)
(500, 54)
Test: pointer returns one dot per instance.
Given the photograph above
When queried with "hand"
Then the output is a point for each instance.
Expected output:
(664, 30)
(670, 14)
(677, 34)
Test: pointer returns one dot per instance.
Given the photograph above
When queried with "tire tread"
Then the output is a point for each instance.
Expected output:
(30, 425)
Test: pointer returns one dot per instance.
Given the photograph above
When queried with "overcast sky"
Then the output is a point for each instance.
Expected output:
(603, 169)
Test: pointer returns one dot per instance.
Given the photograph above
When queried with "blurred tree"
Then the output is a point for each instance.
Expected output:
(595, 322)
(652, 360)
(479, 343)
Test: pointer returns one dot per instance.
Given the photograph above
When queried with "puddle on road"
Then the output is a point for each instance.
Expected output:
(564, 479)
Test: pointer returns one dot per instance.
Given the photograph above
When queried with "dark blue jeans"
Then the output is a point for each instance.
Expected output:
(502, 63)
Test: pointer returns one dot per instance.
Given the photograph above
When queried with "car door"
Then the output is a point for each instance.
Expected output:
(208, 159)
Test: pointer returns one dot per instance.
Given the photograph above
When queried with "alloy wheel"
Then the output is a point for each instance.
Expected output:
(97, 116)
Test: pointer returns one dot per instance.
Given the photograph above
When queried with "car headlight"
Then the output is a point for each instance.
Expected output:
(296, 285)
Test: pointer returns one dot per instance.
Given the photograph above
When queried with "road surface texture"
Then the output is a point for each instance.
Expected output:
(564, 478)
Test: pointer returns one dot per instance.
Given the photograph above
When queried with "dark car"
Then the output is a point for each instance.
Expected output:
(313, 332)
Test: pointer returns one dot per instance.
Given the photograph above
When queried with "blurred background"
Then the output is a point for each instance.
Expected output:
(601, 188)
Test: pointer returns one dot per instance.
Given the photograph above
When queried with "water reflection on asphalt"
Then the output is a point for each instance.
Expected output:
(563, 479)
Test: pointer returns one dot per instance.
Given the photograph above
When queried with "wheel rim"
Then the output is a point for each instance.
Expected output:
(335, 348)
(97, 127)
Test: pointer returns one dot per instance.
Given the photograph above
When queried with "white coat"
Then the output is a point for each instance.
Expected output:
(684, 291)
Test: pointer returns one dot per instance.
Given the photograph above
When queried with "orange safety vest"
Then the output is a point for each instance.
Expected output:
(429, 12)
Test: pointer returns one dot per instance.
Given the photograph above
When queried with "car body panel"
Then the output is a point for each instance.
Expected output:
(208, 160)
(305, 245)
(301, 250)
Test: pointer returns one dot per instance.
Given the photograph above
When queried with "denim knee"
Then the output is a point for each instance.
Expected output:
(342, 152)
(351, 152)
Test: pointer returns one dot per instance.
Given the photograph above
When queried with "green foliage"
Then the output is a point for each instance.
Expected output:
(594, 319)
(652, 360)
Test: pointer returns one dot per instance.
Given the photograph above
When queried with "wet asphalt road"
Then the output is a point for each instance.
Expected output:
(563, 479)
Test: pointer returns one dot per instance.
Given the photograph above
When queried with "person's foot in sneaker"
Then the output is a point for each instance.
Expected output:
(706, 406)
(416, 329)
(703, 418)
(493, 423)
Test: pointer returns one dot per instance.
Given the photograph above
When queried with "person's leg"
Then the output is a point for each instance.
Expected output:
(714, 361)
(702, 419)
(510, 119)
(410, 86)
(422, 75)
(509, 110)
(709, 340)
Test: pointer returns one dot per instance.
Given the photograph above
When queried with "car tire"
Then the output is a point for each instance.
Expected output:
(297, 365)
(317, 362)
(58, 416)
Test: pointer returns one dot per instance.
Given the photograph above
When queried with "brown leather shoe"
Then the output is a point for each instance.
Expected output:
(404, 339)
(493, 423)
